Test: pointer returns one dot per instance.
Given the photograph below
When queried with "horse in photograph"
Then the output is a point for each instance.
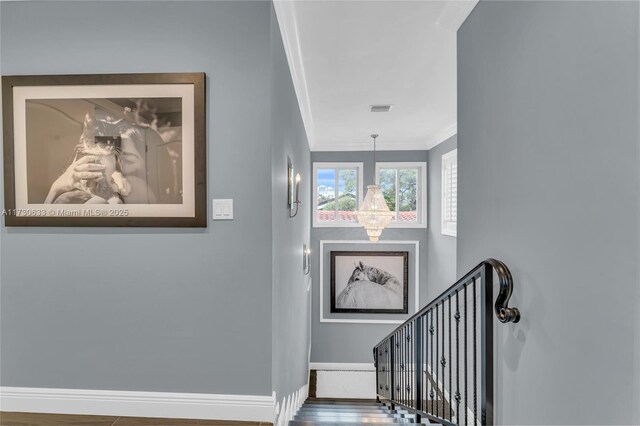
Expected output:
(370, 287)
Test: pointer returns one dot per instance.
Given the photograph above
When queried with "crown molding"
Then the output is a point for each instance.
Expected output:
(286, 17)
(443, 135)
(455, 13)
(421, 145)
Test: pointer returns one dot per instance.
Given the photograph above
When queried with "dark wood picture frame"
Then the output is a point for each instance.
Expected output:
(404, 255)
(15, 216)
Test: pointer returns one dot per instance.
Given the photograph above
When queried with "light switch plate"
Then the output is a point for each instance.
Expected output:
(223, 209)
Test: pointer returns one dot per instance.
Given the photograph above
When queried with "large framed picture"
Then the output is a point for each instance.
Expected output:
(105, 150)
(370, 282)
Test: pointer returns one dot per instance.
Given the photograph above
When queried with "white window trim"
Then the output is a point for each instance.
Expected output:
(447, 228)
(359, 188)
(421, 194)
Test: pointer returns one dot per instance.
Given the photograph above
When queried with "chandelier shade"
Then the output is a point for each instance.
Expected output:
(374, 214)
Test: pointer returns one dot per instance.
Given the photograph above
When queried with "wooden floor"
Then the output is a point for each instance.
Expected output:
(29, 419)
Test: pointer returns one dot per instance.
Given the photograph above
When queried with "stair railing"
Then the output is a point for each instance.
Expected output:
(431, 364)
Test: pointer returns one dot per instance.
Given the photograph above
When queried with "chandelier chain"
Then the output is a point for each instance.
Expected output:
(374, 136)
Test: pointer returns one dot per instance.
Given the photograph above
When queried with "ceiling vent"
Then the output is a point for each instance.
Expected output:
(381, 108)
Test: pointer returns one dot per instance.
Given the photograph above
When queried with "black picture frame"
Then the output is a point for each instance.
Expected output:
(336, 257)
(17, 212)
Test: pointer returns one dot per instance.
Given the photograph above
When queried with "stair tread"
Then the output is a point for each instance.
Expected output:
(301, 416)
(354, 413)
(337, 423)
(347, 409)
(346, 412)
(346, 401)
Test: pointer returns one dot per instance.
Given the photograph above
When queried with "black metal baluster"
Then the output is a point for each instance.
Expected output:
(381, 369)
(450, 362)
(466, 364)
(406, 356)
(392, 369)
(412, 359)
(412, 366)
(402, 340)
(376, 364)
(430, 370)
(427, 351)
(436, 366)
(421, 362)
(417, 356)
(475, 350)
(403, 366)
(415, 382)
(408, 365)
(457, 397)
(443, 363)
(398, 362)
(386, 364)
(389, 369)
(396, 358)
(401, 343)
(385, 371)
(383, 356)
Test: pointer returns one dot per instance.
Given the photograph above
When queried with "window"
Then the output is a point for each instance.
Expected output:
(337, 193)
(450, 193)
(404, 186)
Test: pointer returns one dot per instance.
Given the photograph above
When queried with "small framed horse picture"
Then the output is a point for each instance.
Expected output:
(370, 282)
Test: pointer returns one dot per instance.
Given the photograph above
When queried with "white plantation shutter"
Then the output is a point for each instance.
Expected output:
(450, 193)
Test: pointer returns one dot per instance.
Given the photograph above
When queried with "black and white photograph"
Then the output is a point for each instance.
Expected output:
(369, 282)
(104, 152)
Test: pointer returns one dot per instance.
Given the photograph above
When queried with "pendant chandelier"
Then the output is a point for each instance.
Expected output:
(374, 214)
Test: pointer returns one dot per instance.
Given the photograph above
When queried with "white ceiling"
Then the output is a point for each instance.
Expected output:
(348, 55)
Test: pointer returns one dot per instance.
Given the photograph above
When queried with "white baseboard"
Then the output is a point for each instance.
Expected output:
(345, 380)
(290, 405)
(139, 404)
(346, 384)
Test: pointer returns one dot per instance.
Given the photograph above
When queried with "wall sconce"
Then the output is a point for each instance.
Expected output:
(293, 189)
(306, 264)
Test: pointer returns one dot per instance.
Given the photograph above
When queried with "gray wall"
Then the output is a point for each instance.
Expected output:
(341, 342)
(291, 328)
(152, 309)
(549, 182)
(441, 272)
(636, 375)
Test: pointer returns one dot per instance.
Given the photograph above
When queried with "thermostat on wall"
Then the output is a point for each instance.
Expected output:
(222, 209)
